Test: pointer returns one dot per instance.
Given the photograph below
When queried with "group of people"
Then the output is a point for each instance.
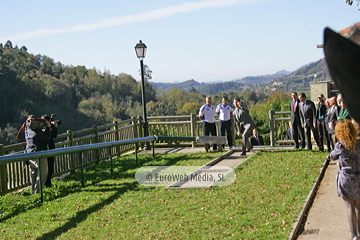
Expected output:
(225, 112)
(330, 121)
(343, 58)
(39, 135)
(319, 119)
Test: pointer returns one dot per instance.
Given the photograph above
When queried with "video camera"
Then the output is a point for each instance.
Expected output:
(35, 123)
(55, 122)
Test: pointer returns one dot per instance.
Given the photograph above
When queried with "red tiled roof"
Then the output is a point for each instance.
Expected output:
(346, 31)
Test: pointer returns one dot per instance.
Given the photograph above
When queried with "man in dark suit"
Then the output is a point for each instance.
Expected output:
(244, 124)
(256, 139)
(308, 121)
(297, 130)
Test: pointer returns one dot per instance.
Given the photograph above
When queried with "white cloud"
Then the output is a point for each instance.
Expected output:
(122, 20)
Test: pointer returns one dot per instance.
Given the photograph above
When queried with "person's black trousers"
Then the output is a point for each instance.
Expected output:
(298, 131)
(308, 131)
(209, 128)
(226, 126)
(50, 162)
(323, 132)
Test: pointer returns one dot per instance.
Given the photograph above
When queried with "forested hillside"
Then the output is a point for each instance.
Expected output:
(301, 78)
(37, 85)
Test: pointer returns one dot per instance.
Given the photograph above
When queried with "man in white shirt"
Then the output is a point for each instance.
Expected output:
(207, 115)
(225, 110)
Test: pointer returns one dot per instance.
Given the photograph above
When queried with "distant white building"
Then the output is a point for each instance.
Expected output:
(277, 83)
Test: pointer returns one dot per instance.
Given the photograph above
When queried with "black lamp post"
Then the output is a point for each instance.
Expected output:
(140, 50)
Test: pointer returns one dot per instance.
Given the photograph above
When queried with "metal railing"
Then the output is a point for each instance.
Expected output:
(16, 175)
(190, 125)
(81, 150)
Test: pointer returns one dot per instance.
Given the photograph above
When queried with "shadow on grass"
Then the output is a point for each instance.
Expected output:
(16, 203)
(316, 150)
(24, 201)
(82, 215)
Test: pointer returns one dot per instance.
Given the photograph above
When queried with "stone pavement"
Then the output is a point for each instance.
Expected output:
(327, 217)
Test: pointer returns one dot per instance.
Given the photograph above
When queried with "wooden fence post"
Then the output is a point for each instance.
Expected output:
(70, 138)
(116, 138)
(193, 120)
(135, 130)
(272, 128)
(141, 128)
(3, 173)
(96, 140)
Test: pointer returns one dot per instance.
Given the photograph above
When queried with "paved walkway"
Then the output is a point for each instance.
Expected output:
(326, 219)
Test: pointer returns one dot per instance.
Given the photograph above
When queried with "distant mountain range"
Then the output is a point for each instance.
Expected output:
(284, 80)
(184, 85)
(300, 79)
(282, 72)
(199, 87)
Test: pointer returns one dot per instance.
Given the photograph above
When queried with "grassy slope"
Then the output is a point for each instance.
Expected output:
(262, 203)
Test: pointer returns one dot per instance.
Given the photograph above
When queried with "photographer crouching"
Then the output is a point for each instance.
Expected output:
(37, 136)
(51, 145)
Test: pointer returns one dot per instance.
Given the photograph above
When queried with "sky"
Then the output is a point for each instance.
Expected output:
(204, 40)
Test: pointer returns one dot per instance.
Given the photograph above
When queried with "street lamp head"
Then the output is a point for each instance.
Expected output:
(140, 50)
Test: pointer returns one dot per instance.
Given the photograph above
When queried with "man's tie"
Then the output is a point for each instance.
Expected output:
(294, 107)
(304, 103)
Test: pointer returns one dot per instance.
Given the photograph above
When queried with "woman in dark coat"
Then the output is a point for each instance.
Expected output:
(320, 121)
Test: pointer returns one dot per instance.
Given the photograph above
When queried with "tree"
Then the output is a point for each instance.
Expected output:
(350, 2)
(250, 97)
(277, 101)
(24, 49)
(158, 109)
(7, 135)
(192, 90)
(93, 83)
(189, 108)
(8, 45)
(149, 91)
(147, 72)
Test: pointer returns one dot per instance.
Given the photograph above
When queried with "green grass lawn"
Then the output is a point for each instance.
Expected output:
(262, 203)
